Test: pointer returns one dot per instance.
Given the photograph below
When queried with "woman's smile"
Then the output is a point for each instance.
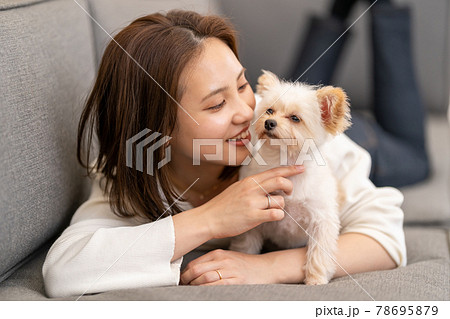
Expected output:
(241, 139)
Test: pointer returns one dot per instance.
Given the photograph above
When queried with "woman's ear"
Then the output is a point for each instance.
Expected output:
(266, 81)
(335, 109)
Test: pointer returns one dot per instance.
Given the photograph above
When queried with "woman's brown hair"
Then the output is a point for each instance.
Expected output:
(125, 100)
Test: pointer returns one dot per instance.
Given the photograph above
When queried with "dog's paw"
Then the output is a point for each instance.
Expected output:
(316, 280)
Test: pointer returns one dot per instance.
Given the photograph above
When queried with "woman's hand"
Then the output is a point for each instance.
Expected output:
(243, 205)
(235, 268)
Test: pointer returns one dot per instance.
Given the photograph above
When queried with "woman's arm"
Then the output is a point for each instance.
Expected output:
(190, 230)
(100, 251)
(356, 253)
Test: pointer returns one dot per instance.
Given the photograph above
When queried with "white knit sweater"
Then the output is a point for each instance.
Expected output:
(100, 251)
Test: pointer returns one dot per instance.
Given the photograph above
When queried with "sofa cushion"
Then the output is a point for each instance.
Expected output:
(46, 68)
(11, 4)
(424, 278)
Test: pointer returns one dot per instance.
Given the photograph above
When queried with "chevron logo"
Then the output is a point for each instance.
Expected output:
(150, 150)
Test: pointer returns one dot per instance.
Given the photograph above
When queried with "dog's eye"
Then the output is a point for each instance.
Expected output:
(295, 118)
(269, 111)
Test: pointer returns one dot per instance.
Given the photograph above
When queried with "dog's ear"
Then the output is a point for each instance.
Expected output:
(265, 81)
(335, 109)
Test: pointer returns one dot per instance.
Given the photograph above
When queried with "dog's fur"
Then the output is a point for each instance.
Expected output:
(314, 202)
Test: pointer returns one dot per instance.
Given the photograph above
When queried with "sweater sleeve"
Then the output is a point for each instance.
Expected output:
(369, 210)
(100, 251)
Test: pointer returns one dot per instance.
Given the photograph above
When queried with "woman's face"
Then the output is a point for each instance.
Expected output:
(217, 95)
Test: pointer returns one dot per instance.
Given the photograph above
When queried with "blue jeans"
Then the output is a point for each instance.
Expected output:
(394, 161)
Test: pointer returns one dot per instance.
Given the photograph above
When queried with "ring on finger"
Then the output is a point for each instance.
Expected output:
(220, 276)
(268, 201)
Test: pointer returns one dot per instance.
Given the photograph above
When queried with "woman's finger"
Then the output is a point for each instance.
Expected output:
(283, 171)
(209, 256)
(271, 215)
(208, 277)
(274, 184)
(194, 271)
(274, 201)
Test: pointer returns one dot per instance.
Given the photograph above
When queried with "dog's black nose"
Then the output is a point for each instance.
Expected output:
(270, 124)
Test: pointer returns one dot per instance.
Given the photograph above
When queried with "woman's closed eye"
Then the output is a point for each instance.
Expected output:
(218, 106)
(242, 87)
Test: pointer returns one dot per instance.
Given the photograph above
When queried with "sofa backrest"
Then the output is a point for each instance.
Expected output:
(271, 31)
(113, 15)
(46, 68)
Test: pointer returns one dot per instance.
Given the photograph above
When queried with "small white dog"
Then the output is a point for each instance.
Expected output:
(305, 116)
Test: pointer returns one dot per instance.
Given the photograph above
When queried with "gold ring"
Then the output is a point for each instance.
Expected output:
(220, 276)
(268, 201)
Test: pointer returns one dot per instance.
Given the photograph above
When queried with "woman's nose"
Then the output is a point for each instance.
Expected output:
(243, 113)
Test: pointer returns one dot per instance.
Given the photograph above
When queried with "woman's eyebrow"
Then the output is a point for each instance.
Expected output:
(240, 73)
(222, 88)
(215, 92)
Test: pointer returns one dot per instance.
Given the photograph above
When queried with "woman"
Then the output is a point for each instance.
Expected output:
(135, 228)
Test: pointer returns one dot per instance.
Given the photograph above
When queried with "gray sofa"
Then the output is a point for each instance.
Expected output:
(49, 52)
